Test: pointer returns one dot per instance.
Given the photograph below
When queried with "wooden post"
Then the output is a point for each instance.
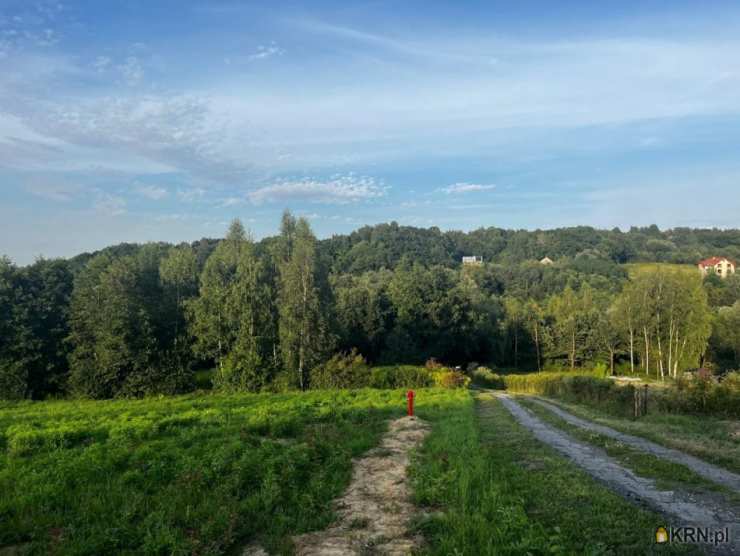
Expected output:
(644, 399)
(636, 404)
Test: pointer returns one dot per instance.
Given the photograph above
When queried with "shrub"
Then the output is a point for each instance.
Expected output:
(577, 387)
(344, 370)
(600, 369)
(701, 393)
(485, 377)
(693, 393)
(448, 378)
(400, 376)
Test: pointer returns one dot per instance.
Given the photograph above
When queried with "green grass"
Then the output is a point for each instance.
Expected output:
(490, 487)
(709, 438)
(198, 474)
(667, 475)
(635, 268)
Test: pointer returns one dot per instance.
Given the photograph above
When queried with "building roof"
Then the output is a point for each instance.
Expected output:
(712, 261)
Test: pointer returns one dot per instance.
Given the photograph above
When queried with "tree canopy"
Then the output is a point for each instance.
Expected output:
(133, 320)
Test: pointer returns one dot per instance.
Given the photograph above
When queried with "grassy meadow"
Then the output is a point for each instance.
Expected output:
(196, 474)
(210, 473)
(633, 269)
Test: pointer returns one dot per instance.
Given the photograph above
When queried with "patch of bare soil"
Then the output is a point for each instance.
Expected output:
(685, 508)
(375, 511)
(706, 470)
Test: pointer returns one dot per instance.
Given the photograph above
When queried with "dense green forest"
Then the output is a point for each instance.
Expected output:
(133, 319)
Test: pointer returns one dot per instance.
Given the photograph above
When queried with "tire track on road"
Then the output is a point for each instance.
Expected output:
(706, 470)
(687, 509)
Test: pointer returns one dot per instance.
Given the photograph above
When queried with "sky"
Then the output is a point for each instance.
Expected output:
(134, 120)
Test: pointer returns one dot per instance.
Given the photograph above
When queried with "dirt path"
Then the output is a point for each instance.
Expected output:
(706, 470)
(686, 509)
(375, 511)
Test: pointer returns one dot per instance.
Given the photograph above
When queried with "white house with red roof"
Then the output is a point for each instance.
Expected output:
(721, 266)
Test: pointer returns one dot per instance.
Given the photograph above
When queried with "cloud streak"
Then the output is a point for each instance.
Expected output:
(266, 51)
(338, 190)
(152, 192)
(463, 187)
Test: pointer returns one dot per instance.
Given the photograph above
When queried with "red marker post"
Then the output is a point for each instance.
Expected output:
(410, 405)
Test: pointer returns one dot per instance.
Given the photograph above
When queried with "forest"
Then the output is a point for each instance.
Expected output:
(132, 320)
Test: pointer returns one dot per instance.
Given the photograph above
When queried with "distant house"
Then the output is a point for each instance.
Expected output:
(473, 260)
(721, 266)
(547, 261)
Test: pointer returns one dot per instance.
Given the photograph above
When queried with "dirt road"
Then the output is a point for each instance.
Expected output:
(683, 508)
(706, 470)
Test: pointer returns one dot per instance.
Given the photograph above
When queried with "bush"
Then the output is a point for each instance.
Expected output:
(400, 376)
(485, 377)
(702, 393)
(344, 370)
(576, 387)
(693, 393)
(447, 378)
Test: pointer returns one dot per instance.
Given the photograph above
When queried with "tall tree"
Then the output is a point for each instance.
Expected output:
(179, 274)
(535, 321)
(574, 330)
(34, 306)
(305, 338)
(515, 318)
(609, 334)
(725, 340)
(231, 319)
(121, 329)
(671, 312)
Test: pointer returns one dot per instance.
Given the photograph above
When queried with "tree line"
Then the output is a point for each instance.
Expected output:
(134, 320)
(385, 245)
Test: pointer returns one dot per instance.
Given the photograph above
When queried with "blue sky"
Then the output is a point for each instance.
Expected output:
(144, 120)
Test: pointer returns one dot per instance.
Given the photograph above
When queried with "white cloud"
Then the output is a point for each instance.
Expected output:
(190, 195)
(336, 190)
(152, 192)
(131, 71)
(52, 190)
(110, 205)
(463, 187)
(101, 63)
(173, 217)
(181, 132)
(266, 51)
(231, 202)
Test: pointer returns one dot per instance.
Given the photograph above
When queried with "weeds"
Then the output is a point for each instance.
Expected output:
(184, 475)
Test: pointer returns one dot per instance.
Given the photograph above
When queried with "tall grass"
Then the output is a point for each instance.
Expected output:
(478, 514)
(695, 395)
(185, 475)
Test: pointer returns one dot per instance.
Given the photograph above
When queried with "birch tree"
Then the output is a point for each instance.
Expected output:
(231, 318)
(305, 338)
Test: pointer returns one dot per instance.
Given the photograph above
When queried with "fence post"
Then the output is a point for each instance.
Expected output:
(636, 402)
(645, 400)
